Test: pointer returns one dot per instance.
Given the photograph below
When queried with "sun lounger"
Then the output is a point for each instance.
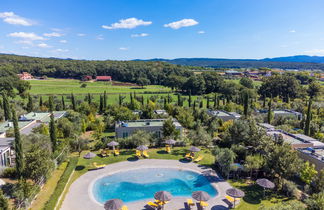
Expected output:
(98, 166)
(124, 208)
(116, 152)
(138, 154)
(161, 202)
(145, 154)
(231, 199)
(190, 202)
(103, 153)
(203, 204)
(188, 155)
(152, 204)
(199, 158)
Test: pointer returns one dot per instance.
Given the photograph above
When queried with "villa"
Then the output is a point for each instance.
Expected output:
(313, 155)
(225, 116)
(284, 113)
(124, 129)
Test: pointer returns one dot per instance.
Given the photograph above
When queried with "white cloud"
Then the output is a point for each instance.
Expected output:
(63, 41)
(61, 50)
(43, 45)
(315, 51)
(80, 34)
(201, 32)
(27, 42)
(12, 18)
(53, 34)
(140, 35)
(100, 37)
(292, 31)
(123, 48)
(181, 23)
(127, 23)
(26, 36)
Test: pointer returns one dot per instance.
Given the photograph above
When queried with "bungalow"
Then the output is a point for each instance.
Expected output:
(25, 76)
(103, 78)
(225, 116)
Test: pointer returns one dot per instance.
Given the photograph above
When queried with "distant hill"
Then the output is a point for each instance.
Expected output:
(298, 58)
(293, 62)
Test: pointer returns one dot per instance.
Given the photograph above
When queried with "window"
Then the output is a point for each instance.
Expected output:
(125, 134)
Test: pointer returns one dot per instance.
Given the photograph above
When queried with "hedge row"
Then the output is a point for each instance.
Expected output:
(51, 203)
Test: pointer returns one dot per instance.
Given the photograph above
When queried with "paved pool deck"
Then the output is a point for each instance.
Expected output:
(80, 196)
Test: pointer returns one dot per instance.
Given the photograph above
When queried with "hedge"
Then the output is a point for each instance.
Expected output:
(51, 203)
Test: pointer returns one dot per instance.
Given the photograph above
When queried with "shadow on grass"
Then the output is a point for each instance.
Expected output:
(162, 152)
(127, 152)
(185, 160)
(219, 207)
(132, 159)
(79, 168)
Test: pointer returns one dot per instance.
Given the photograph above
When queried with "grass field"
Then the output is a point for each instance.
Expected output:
(68, 86)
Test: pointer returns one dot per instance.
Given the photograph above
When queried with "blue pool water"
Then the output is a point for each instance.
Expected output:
(140, 184)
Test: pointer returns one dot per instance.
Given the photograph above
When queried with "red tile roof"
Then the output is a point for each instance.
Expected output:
(103, 77)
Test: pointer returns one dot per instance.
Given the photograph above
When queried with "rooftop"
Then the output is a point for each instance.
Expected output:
(221, 113)
(314, 153)
(290, 138)
(144, 123)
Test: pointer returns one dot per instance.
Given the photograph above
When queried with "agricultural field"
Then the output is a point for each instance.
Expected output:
(68, 86)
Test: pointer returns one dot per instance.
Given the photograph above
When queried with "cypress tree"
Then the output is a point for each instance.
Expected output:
(89, 99)
(169, 99)
(246, 104)
(63, 103)
(104, 100)
(165, 103)
(51, 103)
(18, 147)
(308, 117)
(73, 102)
(179, 100)
(269, 111)
(215, 100)
(30, 104)
(101, 104)
(189, 101)
(142, 100)
(208, 103)
(40, 101)
(6, 107)
(52, 129)
(201, 104)
(120, 100)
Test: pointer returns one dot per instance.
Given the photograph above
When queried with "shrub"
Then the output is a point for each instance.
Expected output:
(290, 189)
(83, 85)
(51, 203)
(9, 173)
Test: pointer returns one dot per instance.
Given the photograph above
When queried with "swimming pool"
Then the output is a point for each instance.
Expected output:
(141, 184)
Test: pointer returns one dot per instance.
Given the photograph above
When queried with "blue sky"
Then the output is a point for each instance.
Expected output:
(131, 29)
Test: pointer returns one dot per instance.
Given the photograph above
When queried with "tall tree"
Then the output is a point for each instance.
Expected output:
(246, 103)
(30, 105)
(63, 103)
(169, 129)
(20, 166)
(101, 104)
(89, 98)
(269, 114)
(40, 101)
(73, 102)
(6, 107)
(208, 103)
(314, 89)
(52, 129)
(51, 103)
(105, 101)
(190, 100)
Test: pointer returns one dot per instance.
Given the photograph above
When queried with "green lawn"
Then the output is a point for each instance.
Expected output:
(254, 196)
(67, 86)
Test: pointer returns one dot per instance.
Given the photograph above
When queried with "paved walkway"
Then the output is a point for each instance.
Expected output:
(80, 197)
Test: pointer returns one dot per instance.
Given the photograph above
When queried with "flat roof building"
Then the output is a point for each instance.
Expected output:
(284, 113)
(225, 116)
(313, 155)
(291, 139)
(125, 129)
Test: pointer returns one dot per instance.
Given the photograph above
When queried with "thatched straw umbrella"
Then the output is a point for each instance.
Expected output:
(114, 204)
